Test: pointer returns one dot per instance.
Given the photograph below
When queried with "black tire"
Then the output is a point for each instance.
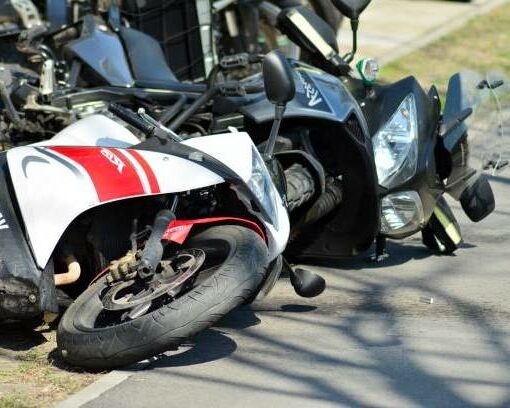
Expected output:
(434, 235)
(230, 284)
(430, 240)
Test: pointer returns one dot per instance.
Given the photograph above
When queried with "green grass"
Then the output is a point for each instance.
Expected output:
(16, 400)
(29, 375)
(483, 45)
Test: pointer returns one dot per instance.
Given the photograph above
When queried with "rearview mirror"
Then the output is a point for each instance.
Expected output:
(278, 78)
(351, 8)
(280, 89)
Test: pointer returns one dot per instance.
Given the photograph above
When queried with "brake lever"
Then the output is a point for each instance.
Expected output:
(168, 132)
(232, 90)
(490, 85)
(447, 127)
(239, 88)
(26, 42)
(234, 61)
(241, 60)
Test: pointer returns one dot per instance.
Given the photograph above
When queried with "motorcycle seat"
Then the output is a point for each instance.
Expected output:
(149, 66)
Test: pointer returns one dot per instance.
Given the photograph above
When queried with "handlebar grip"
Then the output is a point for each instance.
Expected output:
(237, 88)
(240, 60)
(130, 117)
(251, 89)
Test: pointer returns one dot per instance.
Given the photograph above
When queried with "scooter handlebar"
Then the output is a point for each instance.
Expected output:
(237, 88)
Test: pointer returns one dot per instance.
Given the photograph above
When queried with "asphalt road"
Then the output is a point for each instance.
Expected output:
(420, 330)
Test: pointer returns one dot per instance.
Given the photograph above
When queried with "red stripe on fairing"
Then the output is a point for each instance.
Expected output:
(153, 182)
(110, 181)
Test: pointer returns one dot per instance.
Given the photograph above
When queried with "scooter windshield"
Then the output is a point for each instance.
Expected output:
(489, 125)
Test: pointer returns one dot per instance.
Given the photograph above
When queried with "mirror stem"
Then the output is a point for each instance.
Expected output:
(271, 141)
(354, 27)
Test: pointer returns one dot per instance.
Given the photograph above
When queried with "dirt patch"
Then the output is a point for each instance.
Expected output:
(31, 374)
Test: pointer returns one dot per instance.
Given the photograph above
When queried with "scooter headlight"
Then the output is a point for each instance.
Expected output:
(261, 185)
(396, 145)
(402, 213)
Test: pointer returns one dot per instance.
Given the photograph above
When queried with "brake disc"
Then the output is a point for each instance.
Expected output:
(187, 263)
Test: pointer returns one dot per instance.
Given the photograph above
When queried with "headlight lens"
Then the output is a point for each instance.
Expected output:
(261, 185)
(396, 145)
(402, 213)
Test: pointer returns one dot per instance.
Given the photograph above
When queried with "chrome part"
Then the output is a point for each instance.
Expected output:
(402, 213)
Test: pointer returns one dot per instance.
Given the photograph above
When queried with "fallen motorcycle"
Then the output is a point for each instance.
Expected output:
(156, 239)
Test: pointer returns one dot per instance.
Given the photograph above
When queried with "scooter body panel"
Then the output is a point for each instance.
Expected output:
(340, 138)
(380, 108)
(319, 96)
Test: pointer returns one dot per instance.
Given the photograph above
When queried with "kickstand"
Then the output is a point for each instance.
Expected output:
(380, 250)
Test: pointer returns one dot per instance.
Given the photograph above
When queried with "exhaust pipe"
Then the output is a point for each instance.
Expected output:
(72, 275)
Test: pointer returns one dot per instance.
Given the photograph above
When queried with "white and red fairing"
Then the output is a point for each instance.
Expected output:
(90, 164)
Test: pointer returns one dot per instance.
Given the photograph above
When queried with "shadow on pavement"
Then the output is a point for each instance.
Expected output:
(209, 346)
(399, 253)
(401, 371)
(19, 337)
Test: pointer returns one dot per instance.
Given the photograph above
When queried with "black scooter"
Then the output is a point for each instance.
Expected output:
(394, 151)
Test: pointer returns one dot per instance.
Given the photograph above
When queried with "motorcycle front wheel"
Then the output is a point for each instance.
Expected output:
(233, 261)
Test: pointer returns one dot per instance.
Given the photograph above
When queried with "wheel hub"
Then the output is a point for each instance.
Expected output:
(138, 295)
